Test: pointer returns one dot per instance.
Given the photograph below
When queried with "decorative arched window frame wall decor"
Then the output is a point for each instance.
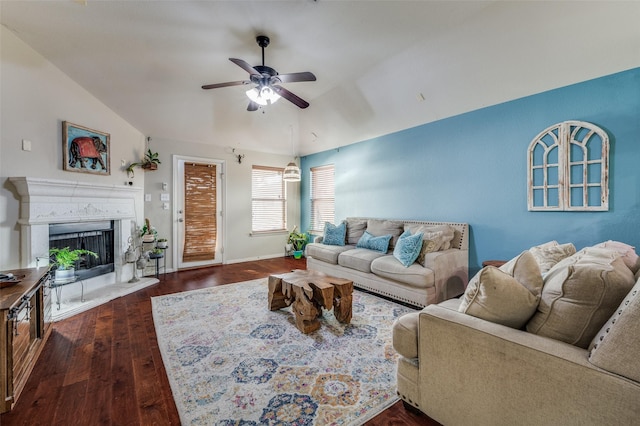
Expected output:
(568, 168)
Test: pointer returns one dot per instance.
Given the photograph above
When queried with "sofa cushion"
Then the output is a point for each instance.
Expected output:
(616, 347)
(441, 234)
(325, 252)
(408, 247)
(405, 335)
(452, 304)
(355, 229)
(359, 259)
(549, 254)
(579, 295)
(415, 275)
(628, 253)
(380, 243)
(506, 296)
(378, 227)
(334, 235)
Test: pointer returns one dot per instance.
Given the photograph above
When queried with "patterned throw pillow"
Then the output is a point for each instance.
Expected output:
(370, 242)
(428, 246)
(408, 248)
(334, 235)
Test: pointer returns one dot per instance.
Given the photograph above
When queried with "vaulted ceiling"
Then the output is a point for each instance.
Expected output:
(381, 66)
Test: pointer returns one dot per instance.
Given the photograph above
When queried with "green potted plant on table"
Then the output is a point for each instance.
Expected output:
(64, 260)
(297, 241)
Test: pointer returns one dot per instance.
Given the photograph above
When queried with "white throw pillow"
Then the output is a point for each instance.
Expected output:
(442, 235)
(507, 296)
(628, 253)
(549, 254)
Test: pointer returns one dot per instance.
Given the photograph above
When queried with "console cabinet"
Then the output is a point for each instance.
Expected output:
(25, 310)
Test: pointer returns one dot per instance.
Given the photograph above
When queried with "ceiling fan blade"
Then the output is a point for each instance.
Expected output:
(230, 83)
(290, 96)
(245, 66)
(252, 106)
(295, 77)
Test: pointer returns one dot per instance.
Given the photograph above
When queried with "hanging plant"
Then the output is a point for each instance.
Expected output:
(151, 160)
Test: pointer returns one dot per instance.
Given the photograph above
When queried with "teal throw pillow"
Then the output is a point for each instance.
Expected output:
(370, 242)
(408, 248)
(334, 235)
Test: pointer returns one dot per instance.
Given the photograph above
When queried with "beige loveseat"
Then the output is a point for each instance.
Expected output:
(462, 369)
(439, 273)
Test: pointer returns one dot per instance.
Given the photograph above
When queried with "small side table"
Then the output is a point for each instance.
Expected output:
(157, 257)
(496, 263)
(58, 284)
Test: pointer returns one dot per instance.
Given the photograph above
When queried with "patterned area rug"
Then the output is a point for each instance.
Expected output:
(231, 361)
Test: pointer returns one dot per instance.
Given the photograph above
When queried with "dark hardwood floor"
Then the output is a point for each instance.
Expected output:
(103, 366)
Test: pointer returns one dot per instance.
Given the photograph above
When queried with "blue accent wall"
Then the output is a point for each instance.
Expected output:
(473, 168)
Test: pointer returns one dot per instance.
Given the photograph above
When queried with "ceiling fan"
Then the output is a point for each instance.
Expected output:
(267, 81)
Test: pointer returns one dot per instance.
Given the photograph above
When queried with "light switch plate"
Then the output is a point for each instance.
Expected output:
(147, 197)
(164, 196)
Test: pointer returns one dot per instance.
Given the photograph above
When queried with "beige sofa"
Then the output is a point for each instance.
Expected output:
(438, 275)
(461, 369)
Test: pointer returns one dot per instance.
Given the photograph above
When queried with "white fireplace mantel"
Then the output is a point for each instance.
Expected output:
(47, 201)
(44, 201)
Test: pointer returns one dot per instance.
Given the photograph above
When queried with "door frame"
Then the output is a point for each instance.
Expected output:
(178, 198)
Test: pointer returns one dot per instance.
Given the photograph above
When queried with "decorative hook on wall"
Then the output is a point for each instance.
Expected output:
(239, 157)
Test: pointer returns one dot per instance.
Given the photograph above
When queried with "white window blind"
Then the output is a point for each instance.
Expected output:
(268, 199)
(322, 196)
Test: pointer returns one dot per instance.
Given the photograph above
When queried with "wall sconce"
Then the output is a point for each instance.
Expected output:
(239, 157)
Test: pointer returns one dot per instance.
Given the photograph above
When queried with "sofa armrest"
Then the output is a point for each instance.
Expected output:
(451, 272)
(472, 371)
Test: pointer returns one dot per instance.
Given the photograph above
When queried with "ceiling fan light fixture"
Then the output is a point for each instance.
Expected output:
(263, 95)
(291, 173)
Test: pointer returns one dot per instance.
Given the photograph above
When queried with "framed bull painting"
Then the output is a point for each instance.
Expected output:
(85, 150)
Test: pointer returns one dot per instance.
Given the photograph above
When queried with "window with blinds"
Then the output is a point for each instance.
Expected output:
(322, 196)
(200, 212)
(268, 199)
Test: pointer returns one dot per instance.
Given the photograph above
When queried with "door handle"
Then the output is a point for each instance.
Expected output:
(180, 220)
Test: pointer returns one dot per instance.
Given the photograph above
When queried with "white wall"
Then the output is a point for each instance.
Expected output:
(239, 245)
(36, 97)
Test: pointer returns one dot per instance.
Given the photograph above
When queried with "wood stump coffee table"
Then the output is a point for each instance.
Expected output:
(308, 292)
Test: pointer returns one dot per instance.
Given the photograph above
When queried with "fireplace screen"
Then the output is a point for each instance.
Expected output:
(94, 236)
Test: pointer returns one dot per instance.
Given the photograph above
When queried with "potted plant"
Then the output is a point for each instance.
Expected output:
(162, 243)
(298, 241)
(150, 161)
(148, 233)
(64, 260)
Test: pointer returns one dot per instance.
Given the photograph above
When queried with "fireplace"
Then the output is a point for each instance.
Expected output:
(51, 208)
(93, 236)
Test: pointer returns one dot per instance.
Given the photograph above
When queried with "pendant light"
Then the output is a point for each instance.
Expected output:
(292, 171)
